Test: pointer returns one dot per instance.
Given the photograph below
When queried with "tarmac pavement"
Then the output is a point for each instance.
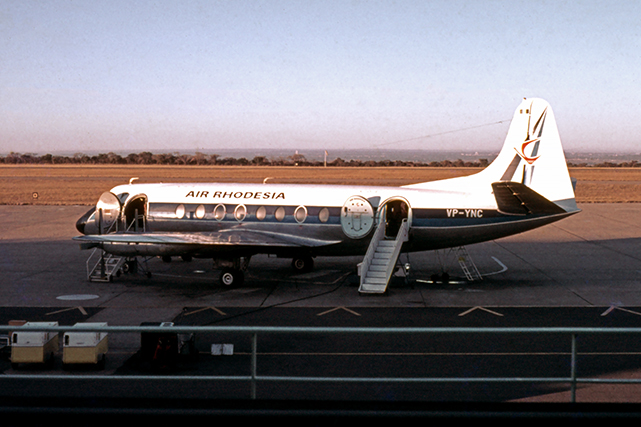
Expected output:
(590, 260)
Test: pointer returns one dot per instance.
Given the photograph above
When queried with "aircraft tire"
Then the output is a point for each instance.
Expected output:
(303, 264)
(231, 277)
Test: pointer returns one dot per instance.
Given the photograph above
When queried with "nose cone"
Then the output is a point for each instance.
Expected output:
(82, 221)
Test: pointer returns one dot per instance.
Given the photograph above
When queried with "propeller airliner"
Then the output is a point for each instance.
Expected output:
(525, 187)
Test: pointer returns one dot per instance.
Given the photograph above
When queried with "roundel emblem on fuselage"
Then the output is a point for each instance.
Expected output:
(357, 217)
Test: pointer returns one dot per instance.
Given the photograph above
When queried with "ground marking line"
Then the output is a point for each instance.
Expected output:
(614, 307)
(465, 313)
(339, 308)
(82, 310)
(206, 308)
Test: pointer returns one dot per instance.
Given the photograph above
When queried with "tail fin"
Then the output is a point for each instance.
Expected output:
(532, 155)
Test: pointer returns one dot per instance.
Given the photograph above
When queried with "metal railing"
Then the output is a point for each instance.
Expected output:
(254, 378)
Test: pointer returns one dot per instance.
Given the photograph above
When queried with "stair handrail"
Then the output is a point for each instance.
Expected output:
(401, 237)
(134, 223)
(91, 270)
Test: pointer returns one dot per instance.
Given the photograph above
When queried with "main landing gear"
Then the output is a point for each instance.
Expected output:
(303, 264)
(233, 270)
(232, 277)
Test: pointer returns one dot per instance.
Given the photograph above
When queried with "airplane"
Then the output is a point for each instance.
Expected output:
(525, 187)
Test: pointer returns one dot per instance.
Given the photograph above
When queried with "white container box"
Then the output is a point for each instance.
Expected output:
(85, 347)
(33, 346)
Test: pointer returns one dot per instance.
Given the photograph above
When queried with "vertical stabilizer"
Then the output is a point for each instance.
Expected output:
(532, 155)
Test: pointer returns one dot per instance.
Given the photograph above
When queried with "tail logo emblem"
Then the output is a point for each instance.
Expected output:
(521, 153)
(538, 131)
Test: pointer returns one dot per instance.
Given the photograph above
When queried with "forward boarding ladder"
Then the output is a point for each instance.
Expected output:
(380, 260)
(105, 267)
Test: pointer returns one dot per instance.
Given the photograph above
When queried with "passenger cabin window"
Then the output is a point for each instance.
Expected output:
(180, 211)
(200, 212)
(280, 214)
(261, 213)
(219, 212)
(300, 214)
(240, 212)
(323, 215)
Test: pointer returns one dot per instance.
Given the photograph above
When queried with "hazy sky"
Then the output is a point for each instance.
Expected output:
(85, 76)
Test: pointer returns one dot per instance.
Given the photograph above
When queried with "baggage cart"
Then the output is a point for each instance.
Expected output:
(33, 346)
(85, 348)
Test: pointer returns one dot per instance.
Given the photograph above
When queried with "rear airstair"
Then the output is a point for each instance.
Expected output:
(467, 265)
(380, 260)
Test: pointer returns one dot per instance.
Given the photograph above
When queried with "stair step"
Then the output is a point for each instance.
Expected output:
(378, 274)
(368, 289)
(112, 265)
(382, 255)
(375, 281)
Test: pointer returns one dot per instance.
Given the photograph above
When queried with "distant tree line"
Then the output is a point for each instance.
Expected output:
(630, 164)
(147, 158)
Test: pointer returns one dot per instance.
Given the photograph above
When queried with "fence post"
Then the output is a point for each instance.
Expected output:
(253, 365)
(573, 371)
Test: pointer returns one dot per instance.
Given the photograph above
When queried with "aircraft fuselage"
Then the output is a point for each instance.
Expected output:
(321, 220)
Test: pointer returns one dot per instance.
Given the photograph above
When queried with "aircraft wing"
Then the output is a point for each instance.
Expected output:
(231, 237)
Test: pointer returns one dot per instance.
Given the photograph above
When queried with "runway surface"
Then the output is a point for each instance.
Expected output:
(581, 271)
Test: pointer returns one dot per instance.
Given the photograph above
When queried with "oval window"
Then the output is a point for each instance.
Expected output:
(323, 215)
(280, 214)
(240, 212)
(200, 212)
(300, 214)
(180, 211)
(261, 213)
(219, 212)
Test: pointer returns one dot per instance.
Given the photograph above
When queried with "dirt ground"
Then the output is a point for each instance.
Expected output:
(82, 185)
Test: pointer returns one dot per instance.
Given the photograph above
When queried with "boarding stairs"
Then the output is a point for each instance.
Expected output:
(105, 267)
(380, 260)
(467, 265)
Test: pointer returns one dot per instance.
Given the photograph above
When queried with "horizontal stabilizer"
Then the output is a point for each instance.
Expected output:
(514, 198)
